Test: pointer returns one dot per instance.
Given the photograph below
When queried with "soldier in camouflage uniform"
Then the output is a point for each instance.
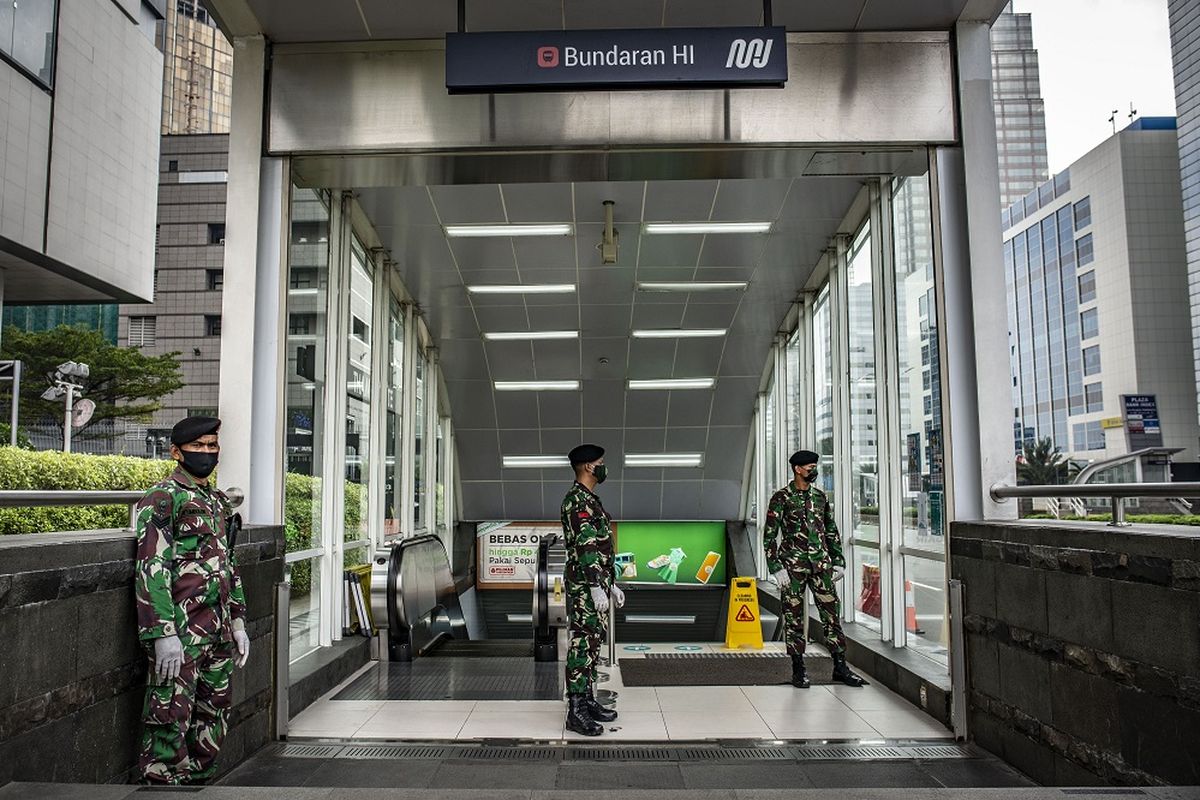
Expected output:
(804, 551)
(590, 579)
(190, 611)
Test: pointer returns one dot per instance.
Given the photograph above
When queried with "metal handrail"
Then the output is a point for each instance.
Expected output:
(1116, 492)
(22, 498)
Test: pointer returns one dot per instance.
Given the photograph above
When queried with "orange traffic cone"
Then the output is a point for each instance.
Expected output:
(910, 609)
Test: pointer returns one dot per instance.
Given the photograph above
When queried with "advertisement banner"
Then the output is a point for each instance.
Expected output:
(507, 553)
(671, 553)
(604, 60)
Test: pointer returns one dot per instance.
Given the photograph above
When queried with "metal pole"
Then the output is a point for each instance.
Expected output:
(67, 418)
(612, 632)
(16, 404)
(768, 19)
(133, 515)
(958, 662)
(283, 596)
(1118, 513)
(462, 16)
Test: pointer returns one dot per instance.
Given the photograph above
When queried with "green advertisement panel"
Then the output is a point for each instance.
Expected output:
(687, 553)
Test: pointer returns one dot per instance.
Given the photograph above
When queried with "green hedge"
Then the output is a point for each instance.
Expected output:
(1145, 519)
(299, 507)
(50, 469)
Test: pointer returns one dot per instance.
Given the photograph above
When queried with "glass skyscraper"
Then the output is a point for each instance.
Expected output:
(1020, 110)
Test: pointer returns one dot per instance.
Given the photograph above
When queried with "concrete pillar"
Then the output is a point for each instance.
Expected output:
(239, 298)
(975, 318)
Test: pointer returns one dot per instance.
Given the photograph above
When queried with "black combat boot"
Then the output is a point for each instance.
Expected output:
(598, 712)
(579, 719)
(842, 672)
(799, 673)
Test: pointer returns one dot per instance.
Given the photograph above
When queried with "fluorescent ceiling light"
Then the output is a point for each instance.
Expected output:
(537, 386)
(678, 333)
(554, 229)
(532, 288)
(664, 459)
(535, 462)
(691, 286)
(511, 336)
(706, 227)
(674, 383)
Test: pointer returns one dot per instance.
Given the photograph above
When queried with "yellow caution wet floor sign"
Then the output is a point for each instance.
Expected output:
(744, 627)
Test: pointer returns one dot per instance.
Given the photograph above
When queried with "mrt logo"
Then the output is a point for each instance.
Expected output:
(547, 57)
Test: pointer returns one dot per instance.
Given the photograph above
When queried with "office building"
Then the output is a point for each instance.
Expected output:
(1096, 265)
(1020, 110)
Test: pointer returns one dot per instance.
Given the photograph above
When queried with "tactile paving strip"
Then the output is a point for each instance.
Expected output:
(458, 679)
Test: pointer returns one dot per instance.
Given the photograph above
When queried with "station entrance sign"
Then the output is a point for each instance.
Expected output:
(604, 60)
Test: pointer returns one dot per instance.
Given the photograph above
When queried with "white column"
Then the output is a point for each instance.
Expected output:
(381, 375)
(839, 314)
(407, 450)
(979, 450)
(239, 297)
(808, 377)
(762, 485)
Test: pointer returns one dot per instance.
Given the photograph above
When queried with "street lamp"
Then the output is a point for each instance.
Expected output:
(64, 387)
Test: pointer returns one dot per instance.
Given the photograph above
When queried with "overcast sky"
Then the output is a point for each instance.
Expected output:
(1096, 56)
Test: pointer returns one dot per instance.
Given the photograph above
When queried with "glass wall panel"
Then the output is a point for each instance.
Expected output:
(773, 476)
(440, 477)
(864, 445)
(305, 610)
(394, 444)
(419, 441)
(796, 438)
(27, 36)
(925, 608)
(306, 398)
(922, 483)
(359, 315)
(823, 402)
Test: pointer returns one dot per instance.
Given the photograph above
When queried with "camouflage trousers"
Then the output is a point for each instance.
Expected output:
(184, 720)
(587, 629)
(828, 607)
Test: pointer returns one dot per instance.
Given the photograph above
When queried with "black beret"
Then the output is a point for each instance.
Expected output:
(192, 428)
(802, 458)
(585, 454)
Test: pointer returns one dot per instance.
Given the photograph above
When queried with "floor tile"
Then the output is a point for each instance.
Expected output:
(868, 698)
(903, 722)
(818, 724)
(387, 724)
(328, 723)
(629, 726)
(346, 705)
(882, 775)
(520, 707)
(628, 775)
(405, 774)
(528, 725)
(425, 706)
(789, 698)
(269, 771)
(968, 773)
(733, 776)
(715, 724)
(702, 698)
(637, 698)
(459, 774)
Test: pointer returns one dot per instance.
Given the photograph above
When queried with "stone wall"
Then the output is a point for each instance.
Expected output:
(1083, 648)
(72, 672)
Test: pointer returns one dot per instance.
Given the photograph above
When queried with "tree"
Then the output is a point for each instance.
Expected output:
(1041, 463)
(124, 382)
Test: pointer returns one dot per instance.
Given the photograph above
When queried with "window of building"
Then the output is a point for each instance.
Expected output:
(1045, 193)
(28, 37)
(1083, 213)
(173, 165)
(156, 282)
(360, 329)
(141, 331)
(203, 412)
(216, 233)
(1084, 251)
(1089, 323)
(215, 279)
(310, 231)
(212, 324)
(304, 278)
(1094, 396)
(1091, 360)
(1087, 436)
(302, 324)
(1087, 286)
(1062, 183)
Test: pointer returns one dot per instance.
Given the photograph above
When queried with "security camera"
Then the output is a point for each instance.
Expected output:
(609, 240)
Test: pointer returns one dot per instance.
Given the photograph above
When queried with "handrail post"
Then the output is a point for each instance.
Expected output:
(1118, 513)
(133, 516)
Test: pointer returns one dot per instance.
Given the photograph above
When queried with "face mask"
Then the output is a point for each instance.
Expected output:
(600, 473)
(199, 464)
(812, 476)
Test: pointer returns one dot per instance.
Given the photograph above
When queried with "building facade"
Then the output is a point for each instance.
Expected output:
(1020, 111)
(1185, 49)
(197, 71)
(1095, 261)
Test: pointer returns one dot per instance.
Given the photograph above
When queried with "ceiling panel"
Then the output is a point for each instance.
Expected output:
(642, 500)
(604, 308)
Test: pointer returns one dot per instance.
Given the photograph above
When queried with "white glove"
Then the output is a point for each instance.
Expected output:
(782, 578)
(837, 573)
(618, 596)
(600, 598)
(168, 657)
(243, 647)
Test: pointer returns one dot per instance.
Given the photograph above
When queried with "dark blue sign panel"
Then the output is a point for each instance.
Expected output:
(615, 59)
(1142, 425)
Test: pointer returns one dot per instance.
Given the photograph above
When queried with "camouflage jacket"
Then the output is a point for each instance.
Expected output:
(186, 582)
(800, 534)
(587, 531)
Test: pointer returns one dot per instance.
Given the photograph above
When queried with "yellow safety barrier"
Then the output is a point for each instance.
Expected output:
(744, 627)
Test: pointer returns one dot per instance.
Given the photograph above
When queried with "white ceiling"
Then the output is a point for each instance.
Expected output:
(322, 20)
(489, 425)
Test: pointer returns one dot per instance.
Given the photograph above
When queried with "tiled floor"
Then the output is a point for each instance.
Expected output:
(677, 713)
